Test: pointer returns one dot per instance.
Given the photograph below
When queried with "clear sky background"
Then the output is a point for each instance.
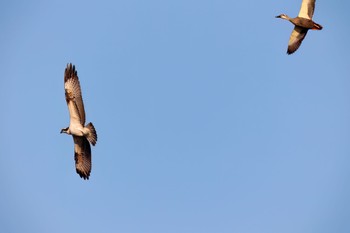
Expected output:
(204, 123)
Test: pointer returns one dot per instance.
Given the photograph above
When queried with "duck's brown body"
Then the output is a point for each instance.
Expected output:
(305, 23)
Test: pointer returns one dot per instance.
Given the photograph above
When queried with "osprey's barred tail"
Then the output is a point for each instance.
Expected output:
(92, 135)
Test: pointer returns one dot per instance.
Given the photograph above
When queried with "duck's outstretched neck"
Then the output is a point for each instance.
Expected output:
(284, 16)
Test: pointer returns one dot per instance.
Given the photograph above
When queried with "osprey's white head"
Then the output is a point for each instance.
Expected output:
(65, 130)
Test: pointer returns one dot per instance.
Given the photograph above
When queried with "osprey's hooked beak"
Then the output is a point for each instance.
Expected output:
(278, 16)
(64, 130)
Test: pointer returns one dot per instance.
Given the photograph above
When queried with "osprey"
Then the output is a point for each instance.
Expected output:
(302, 24)
(82, 135)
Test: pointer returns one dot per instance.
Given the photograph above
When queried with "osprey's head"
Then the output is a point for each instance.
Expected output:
(65, 130)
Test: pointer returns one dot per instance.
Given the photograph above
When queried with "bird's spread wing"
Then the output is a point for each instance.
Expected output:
(82, 156)
(307, 9)
(297, 36)
(73, 95)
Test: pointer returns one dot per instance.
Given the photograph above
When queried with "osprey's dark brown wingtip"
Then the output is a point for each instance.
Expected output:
(289, 52)
(70, 72)
(83, 175)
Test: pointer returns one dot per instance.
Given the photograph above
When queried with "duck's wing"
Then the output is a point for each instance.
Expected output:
(82, 156)
(73, 95)
(307, 9)
(297, 36)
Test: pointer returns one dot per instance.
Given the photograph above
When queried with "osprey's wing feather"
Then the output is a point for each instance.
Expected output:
(82, 156)
(307, 9)
(73, 95)
(297, 36)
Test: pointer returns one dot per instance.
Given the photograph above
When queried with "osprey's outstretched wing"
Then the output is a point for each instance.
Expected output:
(82, 156)
(73, 95)
(307, 9)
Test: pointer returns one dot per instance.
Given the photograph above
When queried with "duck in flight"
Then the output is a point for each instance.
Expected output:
(303, 22)
(82, 135)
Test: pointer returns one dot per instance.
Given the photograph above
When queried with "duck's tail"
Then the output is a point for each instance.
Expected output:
(91, 136)
(317, 27)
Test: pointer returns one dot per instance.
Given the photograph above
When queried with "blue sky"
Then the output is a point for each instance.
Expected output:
(204, 123)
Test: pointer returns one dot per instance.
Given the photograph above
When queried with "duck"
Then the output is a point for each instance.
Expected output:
(83, 135)
(303, 23)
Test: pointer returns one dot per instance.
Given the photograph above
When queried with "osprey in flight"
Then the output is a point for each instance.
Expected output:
(82, 135)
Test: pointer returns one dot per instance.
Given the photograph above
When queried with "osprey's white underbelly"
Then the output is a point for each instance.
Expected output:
(76, 129)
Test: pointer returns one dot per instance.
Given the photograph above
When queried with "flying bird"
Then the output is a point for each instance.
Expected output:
(303, 22)
(82, 135)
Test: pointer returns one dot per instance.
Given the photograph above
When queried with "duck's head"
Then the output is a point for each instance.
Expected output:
(282, 16)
